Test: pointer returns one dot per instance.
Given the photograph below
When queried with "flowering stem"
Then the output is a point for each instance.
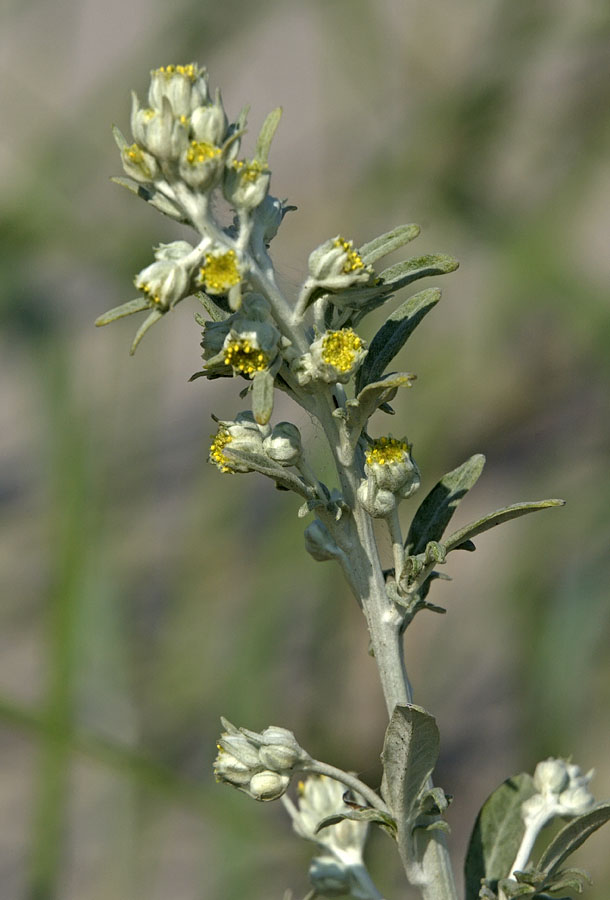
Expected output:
(530, 835)
(431, 870)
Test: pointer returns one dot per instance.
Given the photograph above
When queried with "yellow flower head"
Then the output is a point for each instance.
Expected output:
(387, 450)
(219, 441)
(220, 272)
(189, 71)
(341, 348)
(200, 152)
(244, 356)
(353, 260)
(250, 171)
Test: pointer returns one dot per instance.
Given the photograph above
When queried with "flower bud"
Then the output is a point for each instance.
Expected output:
(250, 347)
(320, 797)
(551, 776)
(220, 271)
(164, 283)
(284, 444)
(335, 265)
(280, 750)
(333, 357)
(201, 165)
(139, 165)
(209, 123)
(238, 747)
(268, 785)
(185, 87)
(230, 770)
(244, 435)
(163, 135)
(246, 184)
(390, 466)
(378, 503)
(575, 801)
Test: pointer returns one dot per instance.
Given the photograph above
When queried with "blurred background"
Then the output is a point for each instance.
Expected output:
(144, 594)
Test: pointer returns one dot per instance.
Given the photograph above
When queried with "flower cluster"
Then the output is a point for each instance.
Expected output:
(244, 343)
(338, 869)
(260, 765)
(252, 444)
(333, 358)
(562, 790)
(391, 476)
(335, 265)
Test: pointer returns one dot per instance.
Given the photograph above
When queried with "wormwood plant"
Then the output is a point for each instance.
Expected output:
(184, 155)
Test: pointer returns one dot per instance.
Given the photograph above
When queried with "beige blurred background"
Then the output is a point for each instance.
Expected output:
(144, 594)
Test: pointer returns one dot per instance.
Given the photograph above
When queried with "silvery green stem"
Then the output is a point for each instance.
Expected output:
(431, 870)
(398, 551)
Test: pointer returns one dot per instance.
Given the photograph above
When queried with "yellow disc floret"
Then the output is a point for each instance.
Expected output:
(135, 156)
(250, 171)
(220, 272)
(340, 348)
(387, 450)
(244, 357)
(354, 261)
(147, 290)
(219, 441)
(189, 71)
(200, 152)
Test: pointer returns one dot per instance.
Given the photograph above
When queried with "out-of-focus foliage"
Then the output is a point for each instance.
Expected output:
(141, 596)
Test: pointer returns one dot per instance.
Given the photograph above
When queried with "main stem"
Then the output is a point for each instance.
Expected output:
(431, 869)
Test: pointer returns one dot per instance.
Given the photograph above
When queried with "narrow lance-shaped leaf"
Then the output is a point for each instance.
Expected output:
(497, 518)
(125, 309)
(374, 395)
(148, 322)
(373, 816)
(267, 132)
(387, 243)
(393, 335)
(262, 397)
(409, 270)
(436, 510)
(571, 837)
(497, 834)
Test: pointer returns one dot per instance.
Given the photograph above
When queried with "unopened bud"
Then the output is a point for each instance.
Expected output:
(268, 785)
(551, 776)
(284, 444)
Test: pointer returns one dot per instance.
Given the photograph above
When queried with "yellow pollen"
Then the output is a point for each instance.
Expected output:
(353, 261)
(250, 171)
(220, 272)
(189, 71)
(201, 151)
(219, 441)
(340, 348)
(387, 450)
(146, 289)
(246, 358)
(134, 154)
